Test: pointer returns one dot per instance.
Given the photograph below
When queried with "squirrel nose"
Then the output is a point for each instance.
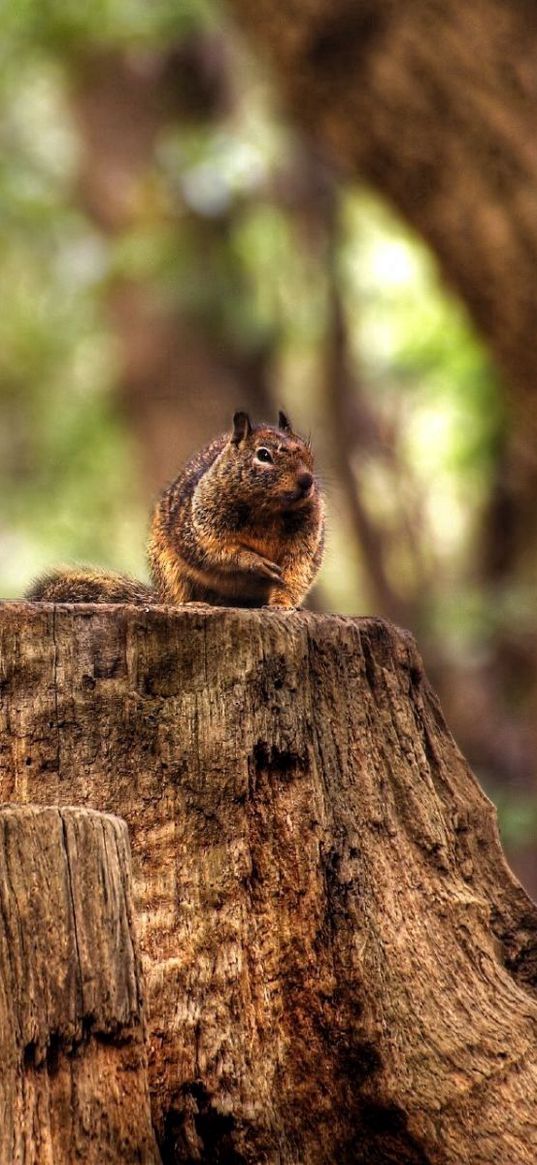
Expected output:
(305, 481)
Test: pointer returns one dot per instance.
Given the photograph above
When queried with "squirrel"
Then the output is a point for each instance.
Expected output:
(241, 526)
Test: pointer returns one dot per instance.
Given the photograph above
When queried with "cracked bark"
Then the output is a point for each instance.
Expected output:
(74, 1079)
(340, 966)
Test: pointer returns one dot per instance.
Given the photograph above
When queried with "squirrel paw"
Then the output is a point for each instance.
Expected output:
(264, 568)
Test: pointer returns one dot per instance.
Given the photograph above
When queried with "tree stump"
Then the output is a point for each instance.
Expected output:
(340, 965)
(73, 1081)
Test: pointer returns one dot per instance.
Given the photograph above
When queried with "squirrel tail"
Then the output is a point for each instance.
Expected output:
(88, 585)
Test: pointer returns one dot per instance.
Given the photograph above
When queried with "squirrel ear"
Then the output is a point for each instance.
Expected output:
(284, 423)
(242, 427)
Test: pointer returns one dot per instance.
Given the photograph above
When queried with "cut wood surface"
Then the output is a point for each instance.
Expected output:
(339, 964)
(73, 1078)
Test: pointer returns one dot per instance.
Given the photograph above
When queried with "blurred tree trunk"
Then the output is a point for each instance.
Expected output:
(435, 104)
(181, 375)
(340, 967)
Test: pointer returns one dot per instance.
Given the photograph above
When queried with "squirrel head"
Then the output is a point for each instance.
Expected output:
(271, 465)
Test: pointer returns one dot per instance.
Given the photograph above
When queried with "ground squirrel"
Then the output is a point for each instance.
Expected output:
(241, 526)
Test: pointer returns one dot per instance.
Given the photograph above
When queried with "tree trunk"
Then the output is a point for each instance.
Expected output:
(72, 1042)
(182, 373)
(435, 105)
(340, 965)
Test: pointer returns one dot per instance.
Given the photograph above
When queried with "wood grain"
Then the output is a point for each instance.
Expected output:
(73, 1084)
(340, 965)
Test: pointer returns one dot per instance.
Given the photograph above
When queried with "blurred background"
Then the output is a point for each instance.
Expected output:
(172, 248)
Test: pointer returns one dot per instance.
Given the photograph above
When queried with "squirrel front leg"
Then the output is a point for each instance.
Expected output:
(237, 559)
(287, 594)
(298, 573)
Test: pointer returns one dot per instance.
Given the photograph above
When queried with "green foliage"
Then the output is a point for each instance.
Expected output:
(518, 817)
(416, 343)
(63, 451)
(64, 25)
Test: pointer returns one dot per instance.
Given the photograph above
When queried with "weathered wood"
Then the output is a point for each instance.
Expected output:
(73, 1079)
(340, 965)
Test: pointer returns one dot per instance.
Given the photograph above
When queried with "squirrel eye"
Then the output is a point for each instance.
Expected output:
(263, 454)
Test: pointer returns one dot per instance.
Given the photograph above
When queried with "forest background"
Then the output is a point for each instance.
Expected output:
(173, 248)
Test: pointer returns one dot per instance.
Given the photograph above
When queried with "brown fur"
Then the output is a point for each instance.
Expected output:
(89, 585)
(233, 529)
